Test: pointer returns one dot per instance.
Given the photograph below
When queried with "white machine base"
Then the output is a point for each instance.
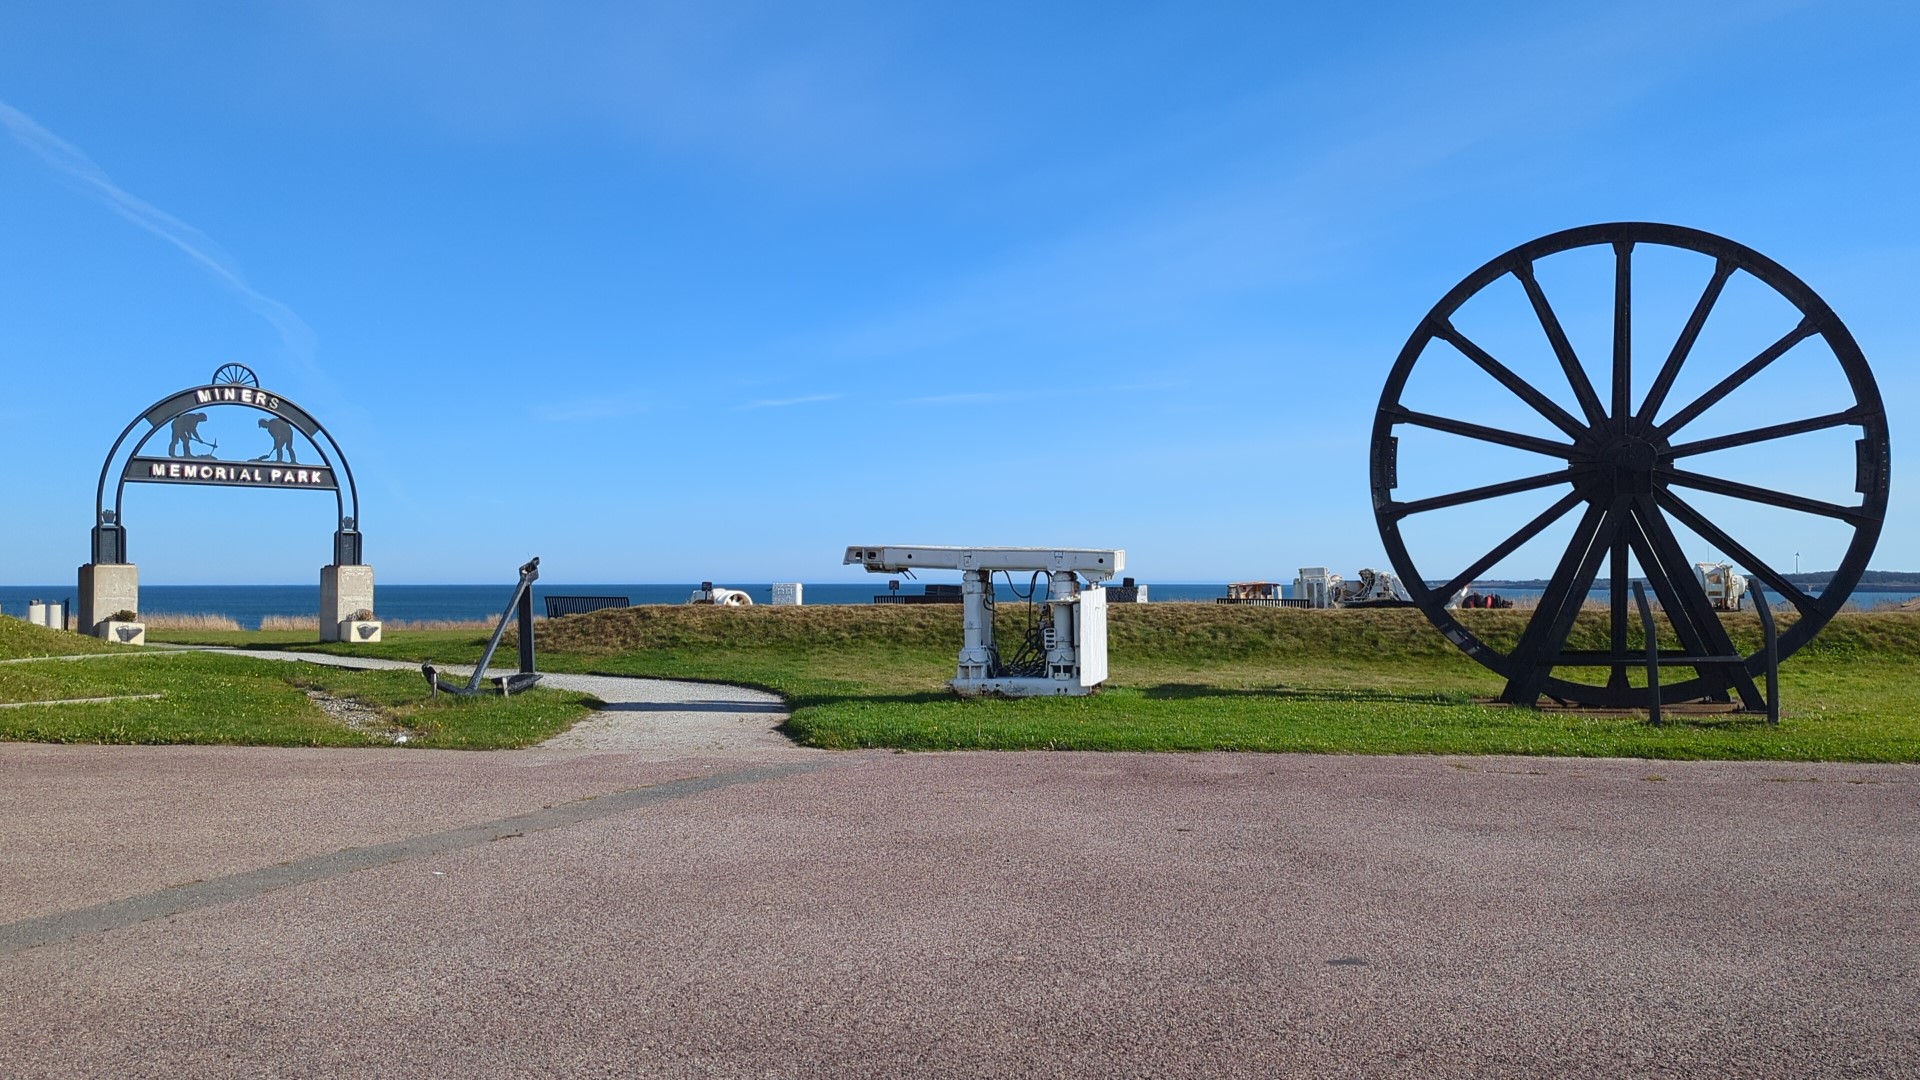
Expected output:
(1021, 688)
(1073, 625)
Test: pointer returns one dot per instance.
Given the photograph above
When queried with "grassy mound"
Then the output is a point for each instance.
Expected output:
(1198, 634)
(19, 639)
(133, 695)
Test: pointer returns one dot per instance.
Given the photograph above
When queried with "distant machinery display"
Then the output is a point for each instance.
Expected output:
(712, 596)
(1319, 587)
(1725, 589)
(1621, 464)
(1065, 648)
(1322, 588)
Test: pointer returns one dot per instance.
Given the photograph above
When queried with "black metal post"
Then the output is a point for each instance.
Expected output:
(526, 624)
(346, 546)
(1653, 653)
(109, 544)
(1771, 650)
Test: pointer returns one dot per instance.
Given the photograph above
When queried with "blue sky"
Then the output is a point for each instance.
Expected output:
(691, 290)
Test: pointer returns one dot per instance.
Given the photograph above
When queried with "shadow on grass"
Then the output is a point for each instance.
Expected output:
(1189, 691)
(817, 700)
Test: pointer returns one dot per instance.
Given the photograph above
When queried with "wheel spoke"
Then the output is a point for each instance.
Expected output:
(1685, 599)
(1747, 492)
(1734, 381)
(1680, 617)
(1512, 543)
(1521, 389)
(1562, 348)
(1476, 431)
(1663, 383)
(1776, 431)
(1622, 339)
(1532, 659)
(1728, 546)
(1490, 491)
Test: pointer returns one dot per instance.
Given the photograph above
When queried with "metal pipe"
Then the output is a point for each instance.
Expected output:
(1653, 653)
(976, 643)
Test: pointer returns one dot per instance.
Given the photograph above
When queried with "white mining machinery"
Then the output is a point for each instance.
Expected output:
(1322, 588)
(1065, 651)
(708, 594)
(1726, 589)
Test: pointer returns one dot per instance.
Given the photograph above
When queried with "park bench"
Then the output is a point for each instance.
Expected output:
(580, 605)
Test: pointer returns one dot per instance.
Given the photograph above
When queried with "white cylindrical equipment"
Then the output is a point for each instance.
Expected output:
(976, 622)
(56, 616)
(36, 613)
(1063, 588)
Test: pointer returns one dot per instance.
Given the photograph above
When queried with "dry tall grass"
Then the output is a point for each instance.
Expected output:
(486, 623)
(1531, 602)
(180, 620)
(311, 623)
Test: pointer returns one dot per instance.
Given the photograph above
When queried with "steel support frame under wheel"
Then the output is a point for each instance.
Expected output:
(1769, 656)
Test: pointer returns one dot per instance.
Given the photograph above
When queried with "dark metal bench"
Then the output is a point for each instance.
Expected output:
(580, 605)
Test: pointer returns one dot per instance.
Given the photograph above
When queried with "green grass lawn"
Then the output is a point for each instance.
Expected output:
(19, 638)
(199, 697)
(1211, 677)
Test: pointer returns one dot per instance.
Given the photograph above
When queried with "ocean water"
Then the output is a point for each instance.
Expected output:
(247, 604)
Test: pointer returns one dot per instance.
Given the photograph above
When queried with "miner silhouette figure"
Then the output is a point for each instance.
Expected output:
(186, 432)
(282, 433)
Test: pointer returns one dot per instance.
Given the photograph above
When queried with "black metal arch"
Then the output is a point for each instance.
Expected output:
(1621, 469)
(109, 530)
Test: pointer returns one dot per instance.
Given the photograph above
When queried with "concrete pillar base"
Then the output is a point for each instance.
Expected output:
(344, 590)
(106, 588)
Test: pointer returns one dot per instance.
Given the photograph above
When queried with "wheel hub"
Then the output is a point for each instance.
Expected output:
(1628, 461)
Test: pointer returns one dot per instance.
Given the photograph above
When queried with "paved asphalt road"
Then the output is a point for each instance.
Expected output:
(215, 912)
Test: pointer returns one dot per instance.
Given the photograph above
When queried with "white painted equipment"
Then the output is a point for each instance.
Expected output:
(1067, 652)
(707, 594)
(1318, 586)
(1725, 589)
(787, 594)
(1321, 588)
(1373, 587)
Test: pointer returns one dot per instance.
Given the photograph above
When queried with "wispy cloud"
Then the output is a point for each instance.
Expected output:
(781, 403)
(80, 170)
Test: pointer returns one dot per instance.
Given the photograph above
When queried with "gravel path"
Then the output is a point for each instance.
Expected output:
(653, 717)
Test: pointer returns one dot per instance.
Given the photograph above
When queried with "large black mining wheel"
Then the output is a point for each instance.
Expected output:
(1623, 466)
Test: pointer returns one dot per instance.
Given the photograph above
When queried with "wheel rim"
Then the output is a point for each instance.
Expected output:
(235, 375)
(1624, 472)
